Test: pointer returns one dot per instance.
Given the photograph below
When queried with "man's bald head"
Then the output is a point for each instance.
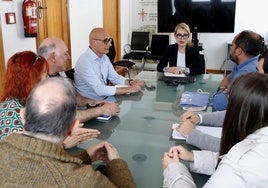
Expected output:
(97, 33)
(51, 108)
(54, 96)
(49, 45)
(100, 41)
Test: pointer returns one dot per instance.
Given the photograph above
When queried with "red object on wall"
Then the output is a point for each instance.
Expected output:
(29, 14)
(10, 18)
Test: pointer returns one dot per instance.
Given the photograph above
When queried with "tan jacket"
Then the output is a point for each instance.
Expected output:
(31, 162)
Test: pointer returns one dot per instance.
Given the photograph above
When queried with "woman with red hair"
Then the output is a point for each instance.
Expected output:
(24, 70)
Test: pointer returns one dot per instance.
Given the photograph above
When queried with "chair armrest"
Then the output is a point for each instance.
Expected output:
(148, 50)
(124, 63)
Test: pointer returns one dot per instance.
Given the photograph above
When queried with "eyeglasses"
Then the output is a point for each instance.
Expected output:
(105, 41)
(37, 57)
(184, 36)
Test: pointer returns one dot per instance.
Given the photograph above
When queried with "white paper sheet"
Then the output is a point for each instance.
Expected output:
(174, 75)
(213, 131)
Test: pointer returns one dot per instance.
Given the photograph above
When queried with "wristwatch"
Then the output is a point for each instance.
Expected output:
(221, 88)
(129, 81)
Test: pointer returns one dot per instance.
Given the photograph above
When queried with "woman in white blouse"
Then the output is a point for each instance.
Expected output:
(243, 160)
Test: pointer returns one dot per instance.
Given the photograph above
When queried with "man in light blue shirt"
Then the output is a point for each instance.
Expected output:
(246, 47)
(56, 53)
(215, 119)
(93, 69)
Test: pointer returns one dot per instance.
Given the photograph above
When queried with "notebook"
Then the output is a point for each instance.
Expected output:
(194, 100)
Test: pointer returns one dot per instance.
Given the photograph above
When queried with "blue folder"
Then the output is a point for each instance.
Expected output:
(194, 99)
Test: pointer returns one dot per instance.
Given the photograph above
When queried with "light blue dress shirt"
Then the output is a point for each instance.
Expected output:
(91, 74)
(246, 67)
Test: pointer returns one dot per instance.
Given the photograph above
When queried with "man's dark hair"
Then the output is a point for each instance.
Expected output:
(250, 42)
(51, 116)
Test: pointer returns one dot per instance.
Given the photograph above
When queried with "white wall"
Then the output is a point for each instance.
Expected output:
(249, 15)
(13, 34)
(214, 44)
(82, 20)
(126, 23)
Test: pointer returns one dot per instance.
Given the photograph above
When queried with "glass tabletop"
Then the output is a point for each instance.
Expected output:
(142, 131)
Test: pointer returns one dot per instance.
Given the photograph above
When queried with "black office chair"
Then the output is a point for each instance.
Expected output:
(126, 64)
(70, 73)
(203, 61)
(112, 53)
(138, 47)
(159, 45)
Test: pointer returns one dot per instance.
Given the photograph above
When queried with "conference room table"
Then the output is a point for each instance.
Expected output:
(142, 131)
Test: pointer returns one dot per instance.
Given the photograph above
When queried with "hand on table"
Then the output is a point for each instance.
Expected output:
(184, 154)
(185, 127)
(175, 70)
(192, 116)
(103, 151)
(110, 108)
(134, 88)
(80, 136)
(170, 157)
(137, 82)
(176, 153)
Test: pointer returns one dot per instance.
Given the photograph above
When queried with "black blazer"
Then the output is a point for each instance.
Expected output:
(192, 59)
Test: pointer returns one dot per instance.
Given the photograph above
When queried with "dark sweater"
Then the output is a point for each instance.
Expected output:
(31, 162)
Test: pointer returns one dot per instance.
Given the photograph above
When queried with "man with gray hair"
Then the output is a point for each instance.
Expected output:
(36, 158)
(55, 51)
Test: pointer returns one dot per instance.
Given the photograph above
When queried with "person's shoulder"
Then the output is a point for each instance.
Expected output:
(175, 45)
(172, 47)
(86, 55)
(11, 103)
(193, 48)
(253, 143)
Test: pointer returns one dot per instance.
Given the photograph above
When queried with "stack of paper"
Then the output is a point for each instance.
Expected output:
(174, 75)
(213, 131)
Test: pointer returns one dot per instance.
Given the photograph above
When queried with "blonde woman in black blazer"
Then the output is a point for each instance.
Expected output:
(181, 55)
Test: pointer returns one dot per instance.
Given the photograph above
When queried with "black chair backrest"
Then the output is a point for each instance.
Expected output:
(140, 41)
(70, 73)
(159, 44)
(203, 62)
(112, 53)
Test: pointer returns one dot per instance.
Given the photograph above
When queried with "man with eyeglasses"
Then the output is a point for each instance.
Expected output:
(56, 53)
(183, 56)
(93, 69)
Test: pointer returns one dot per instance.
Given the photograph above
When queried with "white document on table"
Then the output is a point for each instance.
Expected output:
(213, 131)
(174, 75)
(149, 76)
